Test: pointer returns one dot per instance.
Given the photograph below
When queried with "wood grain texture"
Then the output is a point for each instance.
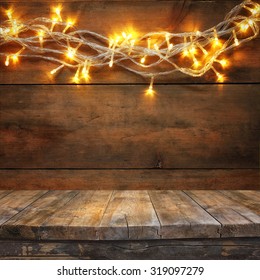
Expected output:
(27, 224)
(123, 179)
(125, 215)
(79, 219)
(180, 217)
(129, 215)
(237, 220)
(251, 199)
(189, 249)
(114, 17)
(4, 193)
(15, 202)
(187, 126)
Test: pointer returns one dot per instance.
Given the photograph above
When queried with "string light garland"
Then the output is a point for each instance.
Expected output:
(151, 55)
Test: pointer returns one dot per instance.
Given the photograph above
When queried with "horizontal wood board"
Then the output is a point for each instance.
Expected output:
(130, 179)
(116, 126)
(192, 249)
(129, 215)
(109, 17)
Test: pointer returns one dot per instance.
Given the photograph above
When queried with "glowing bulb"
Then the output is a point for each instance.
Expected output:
(196, 63)
(143, 59)
(85, 71)
(198, 33)
(7, 61)
(244, 27)
(235, 38)
(185, 52)
(76, 77)
(150, 90)
(149, 43)
(223, 62)
(15, 28)
(111, 63)
(54, 71)
(15, 58)
(192, 50)
(70, 23)
(250, 22)
(132, 43)
(156, 47)
(256, 10)
(41, 35)
(111, 43)
(57, 11)
(170, 47)
(216, 41)
(220, 78)
(71, 53)
(9, 14)
(54, 22)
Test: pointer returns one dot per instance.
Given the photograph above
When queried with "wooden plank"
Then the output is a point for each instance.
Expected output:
(192, 249)
(181, 217)
(236, 219)
(143, 179)
(251, 199)
(196, 126)
(129, 215)
(4, 193)
(15, 202)
(108, 17)
(27, 223)
(79, 219)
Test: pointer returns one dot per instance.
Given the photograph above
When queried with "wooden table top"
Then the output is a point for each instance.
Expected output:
(128, 215)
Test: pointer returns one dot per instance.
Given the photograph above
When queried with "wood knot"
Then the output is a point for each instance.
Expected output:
(159, 164)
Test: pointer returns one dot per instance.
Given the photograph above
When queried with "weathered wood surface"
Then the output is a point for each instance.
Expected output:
(109, 17)
(129, 215)
(27, 223)
(79, 219)
(236, 218)
(119, 127)
(15, 202)
(125, 215)
(180, 216)
(4, 193)
(127, 179)
(193, 249)
(250, 199)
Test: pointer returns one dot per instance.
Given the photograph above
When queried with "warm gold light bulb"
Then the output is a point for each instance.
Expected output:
(71, 53)
(244, 27)
(57, 11)
(15, 58)
(224, 63)
(7, 60)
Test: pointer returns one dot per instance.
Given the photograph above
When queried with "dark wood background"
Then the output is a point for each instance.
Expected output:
(193, 133)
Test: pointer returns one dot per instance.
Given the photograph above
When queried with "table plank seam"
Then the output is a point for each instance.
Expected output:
(6, 194)
(221, 225)
(29, 205)
(158, 231)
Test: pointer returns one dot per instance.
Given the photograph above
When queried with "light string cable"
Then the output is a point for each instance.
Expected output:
(151, 55)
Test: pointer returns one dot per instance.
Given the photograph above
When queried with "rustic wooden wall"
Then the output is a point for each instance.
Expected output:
(108, 134)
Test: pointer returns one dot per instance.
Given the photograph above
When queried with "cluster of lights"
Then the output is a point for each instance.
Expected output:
(150, 55)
